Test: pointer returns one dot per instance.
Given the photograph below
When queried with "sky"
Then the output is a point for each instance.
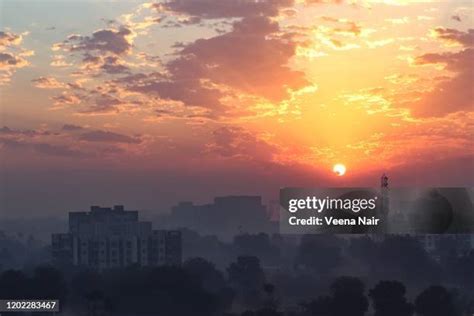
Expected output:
(150, 103)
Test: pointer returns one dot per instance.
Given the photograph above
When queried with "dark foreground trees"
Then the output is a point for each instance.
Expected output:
(347, 298)
(199, 289)
(43, 283)
(170, 291)
(388, 299)
(248, 279)
(435, 301)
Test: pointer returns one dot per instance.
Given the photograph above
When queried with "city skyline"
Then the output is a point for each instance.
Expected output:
(152, 103)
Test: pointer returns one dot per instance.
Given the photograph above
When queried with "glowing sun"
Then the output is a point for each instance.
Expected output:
(339, 169)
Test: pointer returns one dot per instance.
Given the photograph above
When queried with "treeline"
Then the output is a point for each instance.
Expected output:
(318, 257)
(197, 288)
(259, 274)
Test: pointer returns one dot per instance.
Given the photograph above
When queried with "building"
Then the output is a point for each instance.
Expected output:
(455, 245)
(226, 217)
(114, 237)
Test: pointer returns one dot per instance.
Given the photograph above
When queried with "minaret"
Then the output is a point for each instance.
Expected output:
(385, 196)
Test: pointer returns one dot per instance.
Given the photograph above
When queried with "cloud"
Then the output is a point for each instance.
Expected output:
(112, 65)
(72, 127)
(29, 132)
(456, 93)
(236, 142)
(456, 62)
(189, 91)
(322, 1)
(60, 101)
(108, 64)
(12, 56)
(13, 139)
(116, 41)
(103, 52)
(348, 27)
(211, 9)
(47, 83)
(109, 137)
(252, 58)
(465, 39)
(456, 18)
(57, 150)
(103, 104)
(64, 142)
(8, 60)
(9, 39)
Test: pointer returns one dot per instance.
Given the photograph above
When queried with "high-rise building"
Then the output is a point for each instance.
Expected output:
(114, 237)
(225, 217)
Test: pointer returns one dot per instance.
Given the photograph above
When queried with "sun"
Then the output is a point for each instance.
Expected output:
(339, 169)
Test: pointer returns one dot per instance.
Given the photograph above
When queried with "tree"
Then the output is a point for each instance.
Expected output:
(348, 297)
(268, 312)
(364, 249)
(48, 282)
(256, 245)
(319, 253)
(211, 278)
(164, 290)
(388, 299)
(415, 265)
(322, 306)
(270, 299)
(435, 301)
(97, 304)
(248, 278)
(14, 284)
(462, 270)
(262, 312)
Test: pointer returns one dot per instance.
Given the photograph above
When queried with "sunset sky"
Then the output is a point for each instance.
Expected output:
(147, 104)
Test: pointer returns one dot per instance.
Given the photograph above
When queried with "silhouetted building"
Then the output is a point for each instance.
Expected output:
(455, 245)
(114, 237)
(226, 217)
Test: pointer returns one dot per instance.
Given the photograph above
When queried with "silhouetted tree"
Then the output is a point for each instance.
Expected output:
(270, 299)
(464, 303)
(463, 271)
(97, 304)
(262, 312)
(169, 291)
(248, 278)
(14, 284)
(84, 282)
(268, 312)
(414, 265)
(435, 301)
(364, 249)
(48, 283)
(322, 306)
(348, 297)
(212, 280)
(319, 253)
(256, 245)
(388, 299)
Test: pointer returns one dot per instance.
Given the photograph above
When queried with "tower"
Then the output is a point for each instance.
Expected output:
(385, 205)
